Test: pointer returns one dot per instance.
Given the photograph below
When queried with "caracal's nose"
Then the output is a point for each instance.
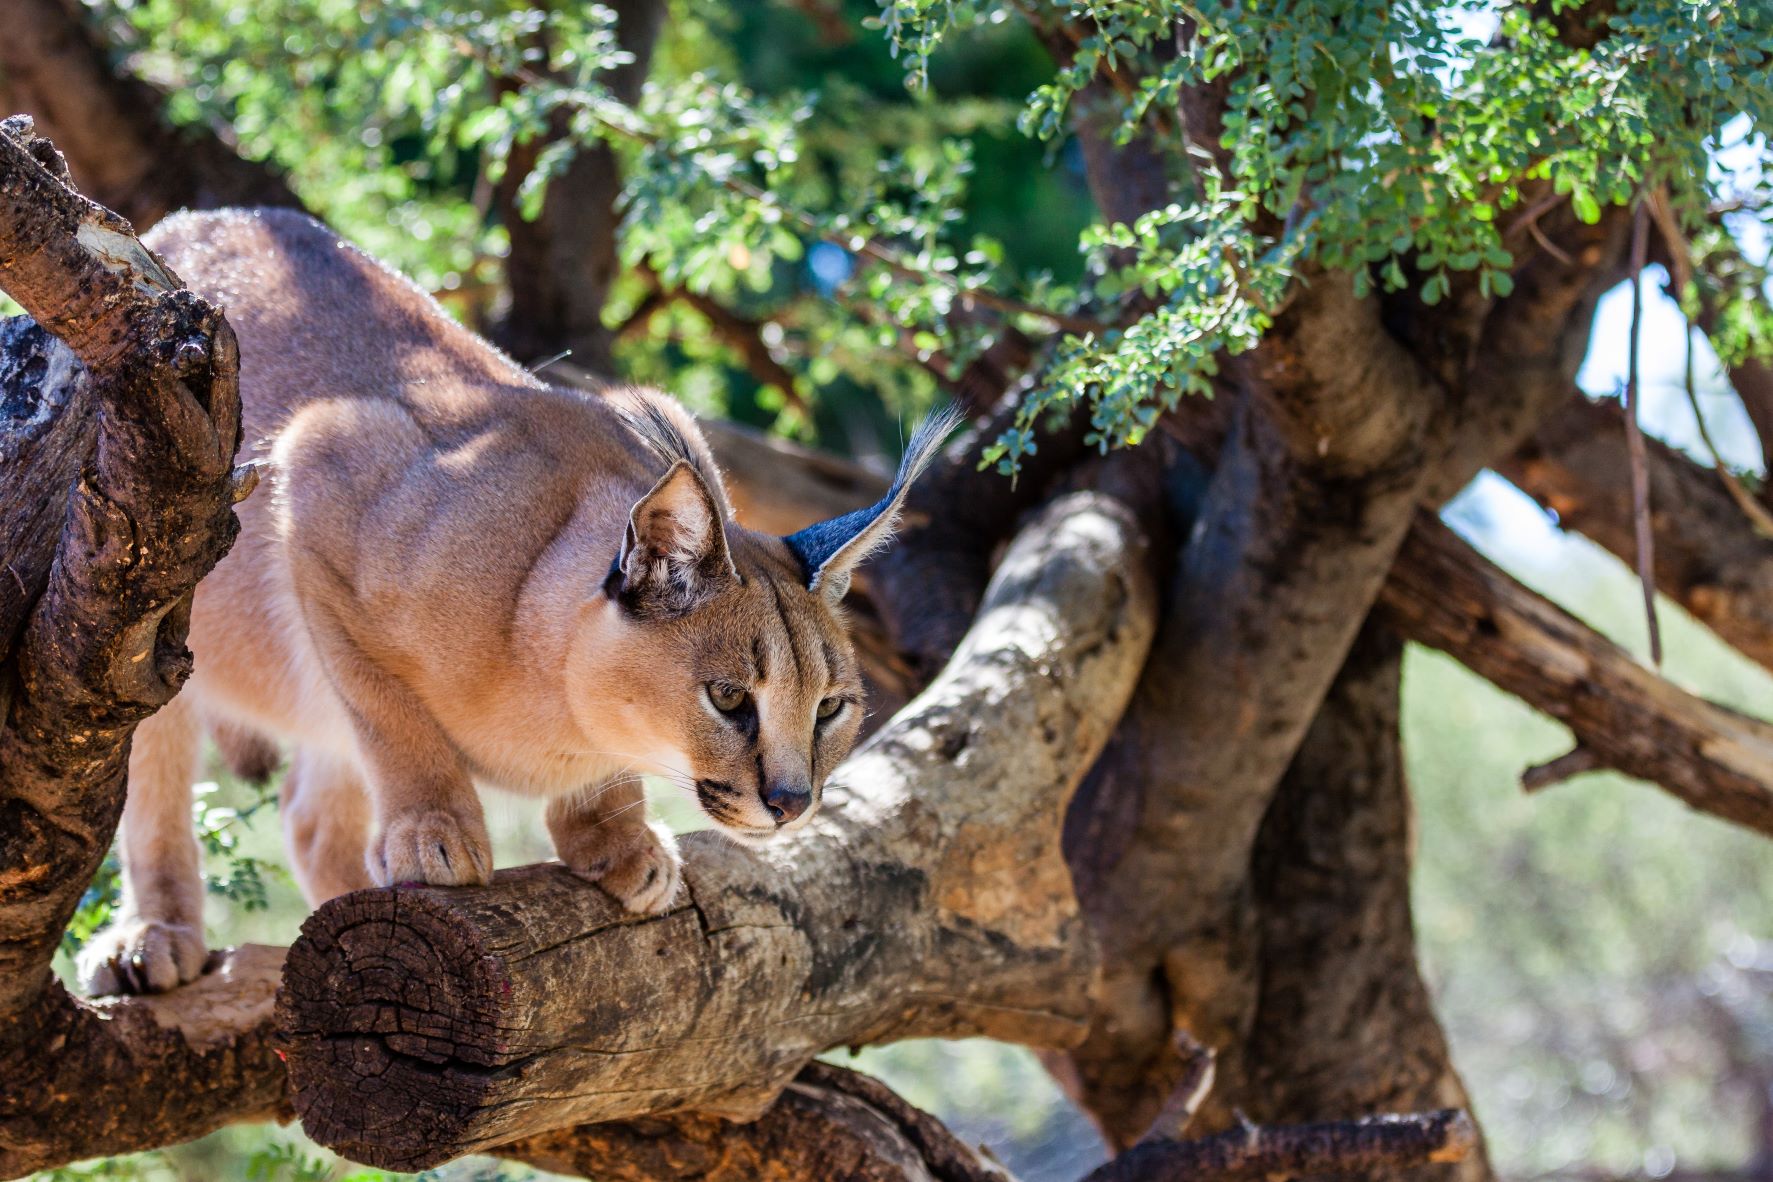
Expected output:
(787, 801)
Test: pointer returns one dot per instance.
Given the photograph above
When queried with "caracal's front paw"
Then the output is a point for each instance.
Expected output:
(432, 845)
(141, 956)
(640, 867)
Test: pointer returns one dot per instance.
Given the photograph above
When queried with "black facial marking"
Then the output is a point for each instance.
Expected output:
(793, 640)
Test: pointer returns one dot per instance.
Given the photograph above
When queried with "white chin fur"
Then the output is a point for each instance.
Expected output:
(754, 839)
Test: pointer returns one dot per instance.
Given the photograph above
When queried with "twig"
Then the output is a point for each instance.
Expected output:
(741, 334)
(1759, 519)
(1551, 248)
(1189, 1093)
(1634, 434)
(1574, 762)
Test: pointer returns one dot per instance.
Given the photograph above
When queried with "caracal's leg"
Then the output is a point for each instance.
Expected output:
(326, 820)
(429, 826)
(155, 941)
(602, 834)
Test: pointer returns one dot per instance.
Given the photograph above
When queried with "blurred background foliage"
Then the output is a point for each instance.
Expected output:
(1601, 957)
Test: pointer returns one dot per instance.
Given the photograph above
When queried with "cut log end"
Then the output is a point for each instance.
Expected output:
(394, 1020)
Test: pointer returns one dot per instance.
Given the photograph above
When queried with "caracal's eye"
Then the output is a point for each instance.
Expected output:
(829, 707)
(726, 696)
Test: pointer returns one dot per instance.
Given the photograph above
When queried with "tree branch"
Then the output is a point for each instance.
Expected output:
(1380, 1143)
(55, 66)
(1716, 760)
(1709, 557)
(828, 1123)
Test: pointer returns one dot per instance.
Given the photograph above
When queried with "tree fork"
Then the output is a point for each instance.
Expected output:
(929, 898)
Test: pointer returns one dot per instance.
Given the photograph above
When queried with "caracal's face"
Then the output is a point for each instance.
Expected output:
(750, 699)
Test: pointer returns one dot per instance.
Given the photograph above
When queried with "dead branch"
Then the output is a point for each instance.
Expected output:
(1644, 547)
(1189, 1093)
(1718, 761)
(929, 897)
(1333, 1147)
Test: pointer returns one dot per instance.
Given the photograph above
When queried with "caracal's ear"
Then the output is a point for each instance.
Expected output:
(674, 555)
(830, 550)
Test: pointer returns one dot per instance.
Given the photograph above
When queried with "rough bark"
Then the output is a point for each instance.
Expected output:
(1179, 794)
(788, 487)
(562, 262)
(126, 1074)
(1379, 1146)
(1710, 558)
(828, 1123)
(833, 1123)
(1347, 415)
(111, 125)
(1344, 1022)
(101, 649)
(104, 646)
(928, 898)
(1624, 715)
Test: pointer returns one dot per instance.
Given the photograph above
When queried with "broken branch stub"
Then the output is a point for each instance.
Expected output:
(929, 898)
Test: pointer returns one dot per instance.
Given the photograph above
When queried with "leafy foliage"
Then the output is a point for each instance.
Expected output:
(1397, 142)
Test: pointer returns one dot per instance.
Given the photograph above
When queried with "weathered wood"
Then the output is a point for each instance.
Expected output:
(828, 1123)
(1344, 1020)
(1716, 760)
(1381, 1143)
(929, 897)
(152, 513)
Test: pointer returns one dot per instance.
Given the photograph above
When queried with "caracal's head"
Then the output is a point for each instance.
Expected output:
(736, 640)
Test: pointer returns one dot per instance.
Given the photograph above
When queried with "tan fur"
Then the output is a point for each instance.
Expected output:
(417, 606)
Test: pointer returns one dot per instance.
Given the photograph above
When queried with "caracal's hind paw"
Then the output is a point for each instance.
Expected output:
(141, 956)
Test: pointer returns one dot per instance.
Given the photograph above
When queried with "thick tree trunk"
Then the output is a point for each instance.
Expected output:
(928, 898)
(562, 263)
(1344, 1022)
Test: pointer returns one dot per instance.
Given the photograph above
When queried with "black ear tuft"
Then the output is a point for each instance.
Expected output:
(829, 550)
(674, 554)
